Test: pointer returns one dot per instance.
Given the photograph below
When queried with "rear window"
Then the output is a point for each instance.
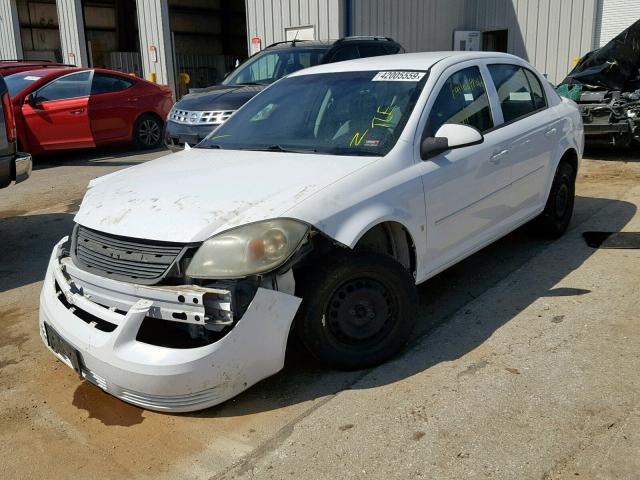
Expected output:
(520, 93)
(17, 82)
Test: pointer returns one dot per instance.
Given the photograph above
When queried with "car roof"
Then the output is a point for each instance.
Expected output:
(402, 61)
(51, 71)
(329, 43)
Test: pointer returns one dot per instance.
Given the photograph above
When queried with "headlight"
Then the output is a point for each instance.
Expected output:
(248, 250)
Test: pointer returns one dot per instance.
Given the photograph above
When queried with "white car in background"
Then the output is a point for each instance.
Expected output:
(326, 198)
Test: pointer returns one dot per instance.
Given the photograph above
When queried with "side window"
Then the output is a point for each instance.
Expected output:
(462, 100)
(345, 53)
(393, 49)
(536, 88)
(70, 86)
(371, 50)
(262, 69)
(109, 83)
(516, 96)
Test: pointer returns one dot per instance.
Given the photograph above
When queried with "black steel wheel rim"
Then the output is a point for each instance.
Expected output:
(149, 132)
(361, 312)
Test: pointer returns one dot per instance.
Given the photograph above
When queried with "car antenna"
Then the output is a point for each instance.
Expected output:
(293, 42)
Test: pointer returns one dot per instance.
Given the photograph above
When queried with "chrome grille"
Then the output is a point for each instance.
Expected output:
(138, 261)
(193, 117)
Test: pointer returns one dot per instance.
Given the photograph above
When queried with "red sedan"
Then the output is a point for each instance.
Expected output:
(66, 108)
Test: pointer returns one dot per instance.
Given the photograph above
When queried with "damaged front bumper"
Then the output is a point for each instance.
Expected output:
(100, 319)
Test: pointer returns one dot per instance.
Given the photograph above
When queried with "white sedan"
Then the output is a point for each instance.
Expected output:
(316, 209)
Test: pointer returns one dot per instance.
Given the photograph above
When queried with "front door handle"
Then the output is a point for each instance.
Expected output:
(551, 132)
(498, 156)
(77, 112)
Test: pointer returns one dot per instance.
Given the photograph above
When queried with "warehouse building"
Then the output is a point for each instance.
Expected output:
(162, 40)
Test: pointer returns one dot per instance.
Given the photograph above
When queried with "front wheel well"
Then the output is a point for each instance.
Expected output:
(393, 239)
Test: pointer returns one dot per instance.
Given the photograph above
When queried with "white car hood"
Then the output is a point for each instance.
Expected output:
(191, 195)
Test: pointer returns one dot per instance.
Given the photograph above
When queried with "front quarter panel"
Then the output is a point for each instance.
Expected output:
(388, 190)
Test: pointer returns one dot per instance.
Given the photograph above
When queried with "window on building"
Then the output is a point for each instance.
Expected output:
(103, 83)
(70, 86)
(517, 98)
(462, 100)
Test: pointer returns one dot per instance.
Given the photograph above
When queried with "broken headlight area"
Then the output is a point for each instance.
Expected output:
(109, 274)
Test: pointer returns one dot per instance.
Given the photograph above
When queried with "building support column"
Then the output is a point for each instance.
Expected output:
(10, 41)
(72, 38)
(156, 47)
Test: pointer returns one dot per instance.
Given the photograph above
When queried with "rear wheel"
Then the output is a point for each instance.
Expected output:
(357, 311)
(147, 132)
(555, 218)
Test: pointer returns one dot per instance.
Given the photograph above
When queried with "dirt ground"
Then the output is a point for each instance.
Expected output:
(315, 423)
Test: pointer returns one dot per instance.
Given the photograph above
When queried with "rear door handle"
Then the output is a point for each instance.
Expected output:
(551, 132)
(498, 156)
(132, 99)
(77, 112)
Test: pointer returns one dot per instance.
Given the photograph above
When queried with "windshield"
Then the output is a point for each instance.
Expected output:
(346, 113)
(19, 81)
(269, 66)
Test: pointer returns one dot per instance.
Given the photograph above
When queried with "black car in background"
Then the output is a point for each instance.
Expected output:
(198, 113)
(14, 166)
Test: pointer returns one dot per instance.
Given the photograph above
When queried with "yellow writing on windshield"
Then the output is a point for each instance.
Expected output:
(383, 117)
(357, 138)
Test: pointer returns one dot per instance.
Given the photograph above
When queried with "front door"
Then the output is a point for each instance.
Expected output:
(58, 117)
(466, 189)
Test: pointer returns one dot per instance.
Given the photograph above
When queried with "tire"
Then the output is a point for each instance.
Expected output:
(340, 320)
(147, 132)
(555, 218)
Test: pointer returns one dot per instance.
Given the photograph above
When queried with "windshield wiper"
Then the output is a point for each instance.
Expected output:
(280, 148)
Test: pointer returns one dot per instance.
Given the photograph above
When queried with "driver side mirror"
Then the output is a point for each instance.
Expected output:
(32, 100)
(448, 137)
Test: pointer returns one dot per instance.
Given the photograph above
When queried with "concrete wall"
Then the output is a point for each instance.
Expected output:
(419, 25)
(10, 43)
(267, 19)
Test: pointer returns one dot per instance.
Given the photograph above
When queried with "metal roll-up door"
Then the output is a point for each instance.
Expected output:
(613, 18)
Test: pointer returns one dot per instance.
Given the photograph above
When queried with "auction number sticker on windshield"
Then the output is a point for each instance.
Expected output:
(398, 76)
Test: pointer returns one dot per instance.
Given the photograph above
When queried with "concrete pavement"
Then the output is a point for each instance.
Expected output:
(524, 364)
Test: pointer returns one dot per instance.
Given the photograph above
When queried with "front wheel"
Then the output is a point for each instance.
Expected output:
(357, 311)
(554, 219)
(147, 132)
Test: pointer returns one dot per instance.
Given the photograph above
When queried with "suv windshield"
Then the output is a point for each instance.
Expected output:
(346, 113)
(19, 81)
(269, 66)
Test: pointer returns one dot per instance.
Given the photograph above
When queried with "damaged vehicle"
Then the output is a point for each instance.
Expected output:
(316, 209)
(606, 86)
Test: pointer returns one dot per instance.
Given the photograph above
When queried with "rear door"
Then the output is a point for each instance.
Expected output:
(531, 131)
(58, 118)
(113, 106)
